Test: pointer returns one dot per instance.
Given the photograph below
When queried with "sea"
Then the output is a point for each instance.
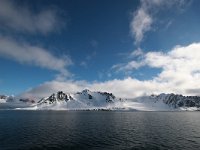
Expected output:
(99, 130)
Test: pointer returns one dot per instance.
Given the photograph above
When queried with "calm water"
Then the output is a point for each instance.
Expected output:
(99, 130)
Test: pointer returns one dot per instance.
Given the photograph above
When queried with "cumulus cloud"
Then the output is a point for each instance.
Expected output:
(27, 54)
(50, 87)
(180, 70)
(144, 17)
(21, 18)
(180, 65)
(180, 74)
(122, 88)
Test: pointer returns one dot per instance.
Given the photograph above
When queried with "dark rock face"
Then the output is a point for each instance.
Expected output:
(52, 98)
(108, 100)
(109, 96)
(27, 100)
(59, 96)
(181, 101)
(90, 96)
(68, 97)
(3, 96)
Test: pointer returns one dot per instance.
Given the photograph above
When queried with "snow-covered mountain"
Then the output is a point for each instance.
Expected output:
(80, 100)
(88, 100)
(180, 101)
(3, 98)
(164, 102)
(12, 102)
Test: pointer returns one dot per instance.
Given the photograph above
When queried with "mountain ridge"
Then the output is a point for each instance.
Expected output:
(89, 100)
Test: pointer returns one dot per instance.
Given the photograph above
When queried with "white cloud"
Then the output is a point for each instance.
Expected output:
(180, 65)
(48, 88)
(27, 54)
(125, 88)
(136, 53)
(144, 17)
(180, 74)
(140, 24)
(21, 18)
(180, 70)
(129, 66)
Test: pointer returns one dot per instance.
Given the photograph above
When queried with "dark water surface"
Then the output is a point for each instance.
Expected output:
(99, 130)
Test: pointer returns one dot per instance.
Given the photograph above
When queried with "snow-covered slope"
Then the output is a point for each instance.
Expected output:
(164, 102)
(88, 100)
(180, 101)
(11, 102)
(80, 101)
(3, 98)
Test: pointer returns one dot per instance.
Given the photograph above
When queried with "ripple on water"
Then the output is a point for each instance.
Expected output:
(99, 130)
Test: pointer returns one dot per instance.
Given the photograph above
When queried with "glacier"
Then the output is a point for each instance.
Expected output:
(90, 100)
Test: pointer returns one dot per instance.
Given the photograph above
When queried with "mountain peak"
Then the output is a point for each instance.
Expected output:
(89, 100)
(85, 91)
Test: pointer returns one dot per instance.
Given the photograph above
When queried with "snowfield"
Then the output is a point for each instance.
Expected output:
(88, 100)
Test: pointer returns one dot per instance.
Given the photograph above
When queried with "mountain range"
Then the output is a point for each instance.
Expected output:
(89, 100)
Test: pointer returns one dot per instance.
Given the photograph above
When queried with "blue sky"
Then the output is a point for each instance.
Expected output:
(130, 48)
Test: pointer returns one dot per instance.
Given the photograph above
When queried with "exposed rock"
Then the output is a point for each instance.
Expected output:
(176, 101)
(27, 100)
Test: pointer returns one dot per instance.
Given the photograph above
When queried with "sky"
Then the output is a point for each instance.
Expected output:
(130, 48)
